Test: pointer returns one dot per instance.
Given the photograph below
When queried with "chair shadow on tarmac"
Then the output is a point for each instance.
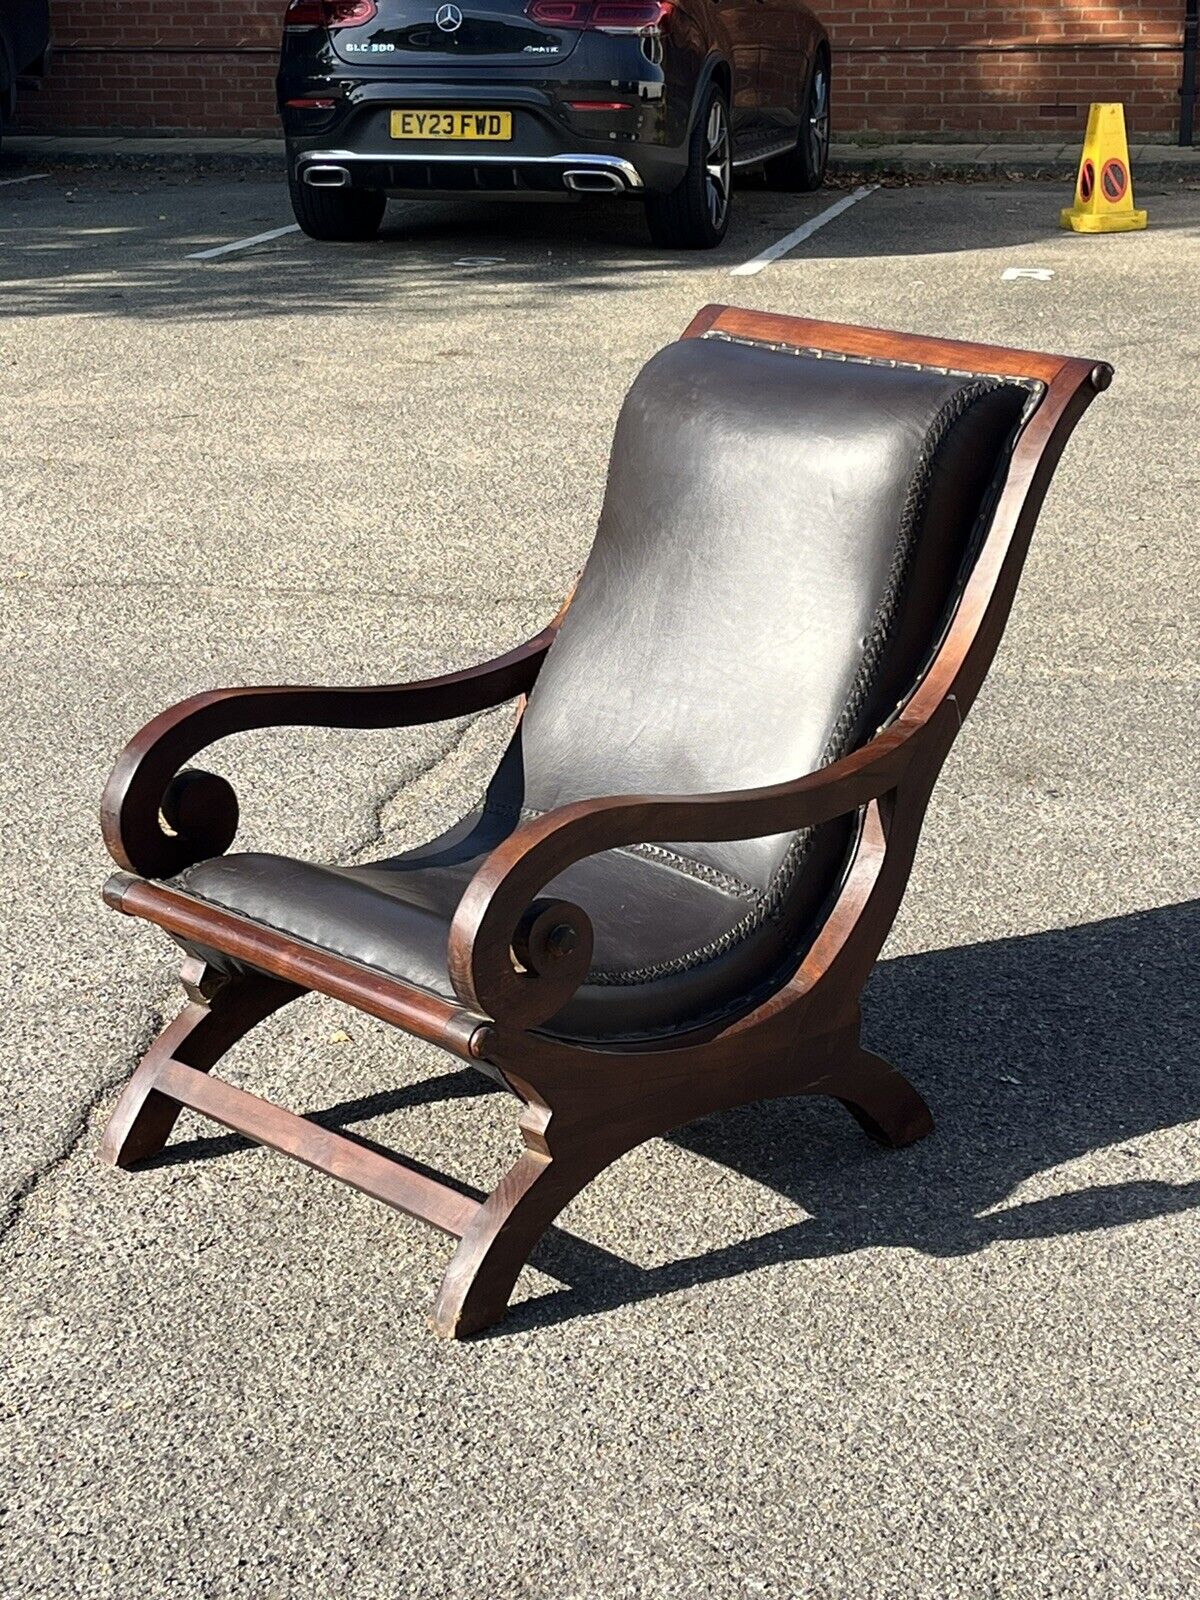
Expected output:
(1032, 1051)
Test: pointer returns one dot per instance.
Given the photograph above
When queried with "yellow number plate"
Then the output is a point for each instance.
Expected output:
(451, 124)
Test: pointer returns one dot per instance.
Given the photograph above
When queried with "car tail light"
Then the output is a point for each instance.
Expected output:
(599, 105)
(329, 13)
(630, 16)
(601, 16)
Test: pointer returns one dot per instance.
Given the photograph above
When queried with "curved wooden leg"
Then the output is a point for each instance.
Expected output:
(217, 1016)
(484, 1269)
(882, 1101)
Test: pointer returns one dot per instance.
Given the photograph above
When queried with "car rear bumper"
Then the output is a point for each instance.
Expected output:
(558, 145)
(470, 172)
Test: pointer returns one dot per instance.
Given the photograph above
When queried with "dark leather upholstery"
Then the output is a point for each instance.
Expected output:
(781, 538)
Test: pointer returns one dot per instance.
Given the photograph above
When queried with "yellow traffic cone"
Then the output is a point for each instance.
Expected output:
(1104, 188)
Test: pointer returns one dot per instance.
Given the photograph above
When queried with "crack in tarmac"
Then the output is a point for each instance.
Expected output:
(376, 837)
(66, 1148)
(78, 1126)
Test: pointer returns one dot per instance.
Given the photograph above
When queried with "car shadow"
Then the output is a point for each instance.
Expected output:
(111, 257)
(1032, 1051)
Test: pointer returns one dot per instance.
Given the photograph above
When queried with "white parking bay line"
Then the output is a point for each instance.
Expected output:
(243, 244)
(31, 177)
(799, 235)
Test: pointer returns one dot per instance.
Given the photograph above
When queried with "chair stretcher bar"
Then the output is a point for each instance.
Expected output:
(386, 1178)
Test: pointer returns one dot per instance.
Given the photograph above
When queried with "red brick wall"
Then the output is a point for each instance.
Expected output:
(908, 66)
(159, 65)
(1017, 68)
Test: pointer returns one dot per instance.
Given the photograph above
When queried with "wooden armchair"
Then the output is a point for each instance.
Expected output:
(810, 543)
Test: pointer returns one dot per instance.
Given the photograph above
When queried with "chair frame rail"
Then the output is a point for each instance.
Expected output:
(516, 957)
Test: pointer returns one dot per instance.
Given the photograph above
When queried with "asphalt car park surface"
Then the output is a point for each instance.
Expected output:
(757, 1358)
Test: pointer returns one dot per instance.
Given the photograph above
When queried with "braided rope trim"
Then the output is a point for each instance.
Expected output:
(690, 868)
(780, 347)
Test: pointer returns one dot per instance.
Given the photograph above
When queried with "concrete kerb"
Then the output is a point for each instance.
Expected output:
(930, 162)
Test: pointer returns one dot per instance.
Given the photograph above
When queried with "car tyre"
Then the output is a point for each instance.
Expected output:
(695, 214)
(339, 215)
(803, 168)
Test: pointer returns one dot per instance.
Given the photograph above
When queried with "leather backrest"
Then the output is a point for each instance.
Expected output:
(780, 537)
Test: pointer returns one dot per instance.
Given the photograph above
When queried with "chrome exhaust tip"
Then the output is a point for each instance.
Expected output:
(320, 176)
(593, 180)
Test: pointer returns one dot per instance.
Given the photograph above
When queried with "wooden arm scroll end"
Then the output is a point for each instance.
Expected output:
(523, 978)
(156, 821)
(201, 810)
(158, 816)
(554, 940)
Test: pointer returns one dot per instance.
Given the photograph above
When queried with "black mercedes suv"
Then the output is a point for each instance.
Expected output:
(655, 99)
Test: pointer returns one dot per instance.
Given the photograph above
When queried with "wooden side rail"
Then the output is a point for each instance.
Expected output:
(386, 1178)
(425, 1015)
(515, 872)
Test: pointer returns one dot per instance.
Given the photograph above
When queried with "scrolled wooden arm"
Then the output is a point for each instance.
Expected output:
(504, 893)
(149, 779)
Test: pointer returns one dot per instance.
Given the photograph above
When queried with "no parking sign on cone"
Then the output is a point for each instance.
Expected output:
(1104, 187)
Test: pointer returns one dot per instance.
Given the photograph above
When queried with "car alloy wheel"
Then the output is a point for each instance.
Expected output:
(695, 214)
(818, 118)
(718, 164)
(802, 168)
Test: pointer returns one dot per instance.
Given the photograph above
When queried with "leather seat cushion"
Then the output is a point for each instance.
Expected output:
(394, 916)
